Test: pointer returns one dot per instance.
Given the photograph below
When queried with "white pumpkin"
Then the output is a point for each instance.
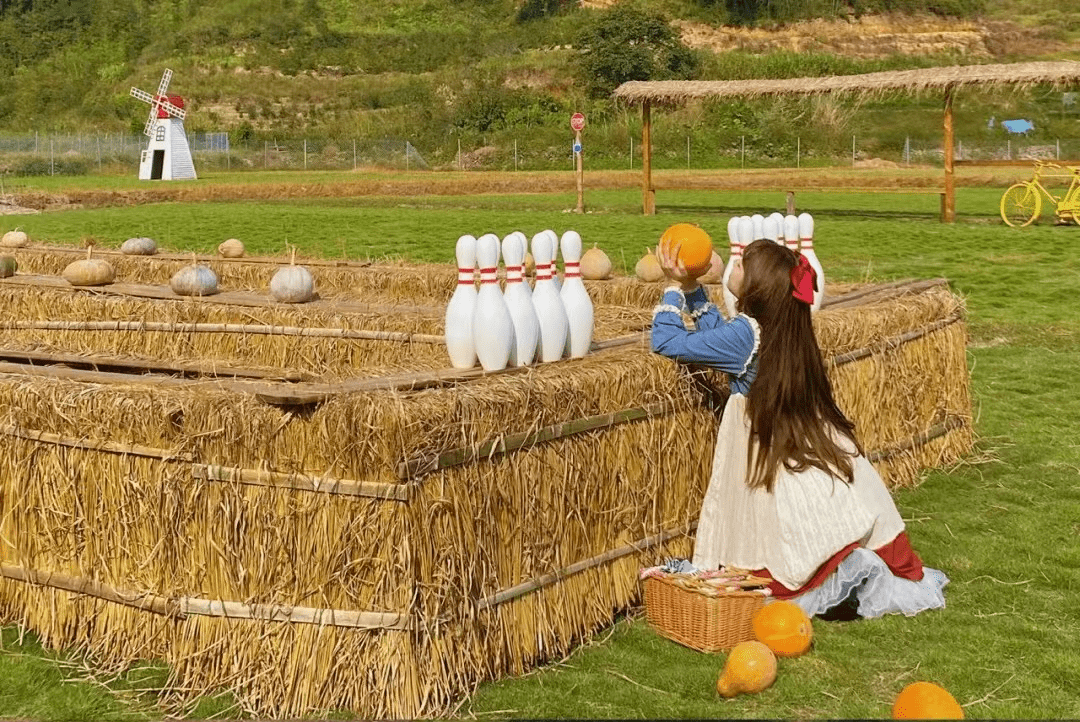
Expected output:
(15, 239)
(595, 265)
(194, 280)
(292, 284)
(140, 246)
(648, 268)
(231, 248)
(89, 271)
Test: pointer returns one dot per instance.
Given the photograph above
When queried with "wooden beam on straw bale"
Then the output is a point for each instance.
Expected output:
(302, 482)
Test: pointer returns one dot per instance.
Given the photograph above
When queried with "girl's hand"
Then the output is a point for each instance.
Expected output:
(674, 269)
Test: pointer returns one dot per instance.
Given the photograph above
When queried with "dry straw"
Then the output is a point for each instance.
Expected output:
(387, 549)
(922, 80)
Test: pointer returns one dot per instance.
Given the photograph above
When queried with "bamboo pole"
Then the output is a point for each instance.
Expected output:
(88, 587)
(948, 210)
(518, 590)
(302, 482)
(243, 328)
(512, 442)
(302, 615)
(934, 432)
(648, 195)
(110, 447)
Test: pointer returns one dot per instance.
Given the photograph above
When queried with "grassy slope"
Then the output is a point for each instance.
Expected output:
(1005, 530)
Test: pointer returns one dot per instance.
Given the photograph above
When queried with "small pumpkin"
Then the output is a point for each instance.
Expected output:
(648, 268)
(141, 246)
(595, 265)
(784, 628)
(194, 280)
(89, 271)
(925, 700)
(292, 283)
(715, 274)
(15, 239)
(750, 668)
(231, 248)
(8, 266)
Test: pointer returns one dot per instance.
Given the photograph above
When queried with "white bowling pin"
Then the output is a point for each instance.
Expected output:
(791, 232)
(575, 298)
(519, 303)
(734, 253)
(524, 241)
(459, 312)
(493, 329)
(744, 230)
(549, 306)
(555, 259)
(759, 226)
(806, 247)
(771, 230)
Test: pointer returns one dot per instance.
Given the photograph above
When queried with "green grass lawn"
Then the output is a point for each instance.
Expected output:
(1005, 526)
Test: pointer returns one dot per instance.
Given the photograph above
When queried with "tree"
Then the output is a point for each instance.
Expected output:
(630, 43)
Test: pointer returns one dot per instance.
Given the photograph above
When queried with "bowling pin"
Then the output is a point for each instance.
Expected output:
(492, 326)
(519, 302)
(550, 311)
(806, 247)
(759, 226)
(555, 260)
(575, 298)
(771, 230)
(791, 232)
(459, 312)
(744, 229)
(524, 241)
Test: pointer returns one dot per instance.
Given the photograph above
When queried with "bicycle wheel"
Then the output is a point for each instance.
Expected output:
(1020, 205)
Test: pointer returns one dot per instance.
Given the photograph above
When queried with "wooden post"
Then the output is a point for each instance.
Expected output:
(648, 198)
(580, 173)
(948, 209)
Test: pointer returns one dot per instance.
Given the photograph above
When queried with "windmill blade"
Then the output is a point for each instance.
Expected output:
(172, 110)
(164, 84)
(148, 129)
(142, 95)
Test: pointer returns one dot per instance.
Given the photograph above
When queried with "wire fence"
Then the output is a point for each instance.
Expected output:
(38, 154)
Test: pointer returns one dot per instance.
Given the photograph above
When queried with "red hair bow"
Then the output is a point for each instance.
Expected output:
(802, 281)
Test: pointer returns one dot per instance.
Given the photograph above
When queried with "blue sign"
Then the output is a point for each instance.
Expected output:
(1017, 126)
(577, 147)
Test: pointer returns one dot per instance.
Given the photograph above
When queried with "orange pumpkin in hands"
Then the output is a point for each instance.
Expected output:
(784, 628)
(924, 700)
(695, 247)
(750, 668)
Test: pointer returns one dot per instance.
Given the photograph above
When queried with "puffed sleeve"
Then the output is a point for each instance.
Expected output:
(727, 347)
(704, 312)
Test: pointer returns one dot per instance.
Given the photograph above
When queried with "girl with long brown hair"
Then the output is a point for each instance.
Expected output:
(791, 495)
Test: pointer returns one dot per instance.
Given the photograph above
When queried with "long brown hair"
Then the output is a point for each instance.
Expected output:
(792, 412)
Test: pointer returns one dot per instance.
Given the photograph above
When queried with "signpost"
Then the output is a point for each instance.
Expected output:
(577, 123)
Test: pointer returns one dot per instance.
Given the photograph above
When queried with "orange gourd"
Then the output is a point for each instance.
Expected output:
(784, 628)
(750, 668)
(924, 700)
(695, 246)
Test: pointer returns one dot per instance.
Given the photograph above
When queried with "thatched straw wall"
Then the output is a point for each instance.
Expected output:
(386, 550)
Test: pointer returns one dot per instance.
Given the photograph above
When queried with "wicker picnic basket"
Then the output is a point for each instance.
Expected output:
(690, 611)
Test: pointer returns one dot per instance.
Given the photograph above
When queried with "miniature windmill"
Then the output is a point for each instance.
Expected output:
(168, 156)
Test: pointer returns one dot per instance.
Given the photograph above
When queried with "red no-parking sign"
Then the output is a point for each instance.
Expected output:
(577, 121)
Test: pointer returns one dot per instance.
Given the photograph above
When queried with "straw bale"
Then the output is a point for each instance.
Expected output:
(494, 563)
(1056, 73)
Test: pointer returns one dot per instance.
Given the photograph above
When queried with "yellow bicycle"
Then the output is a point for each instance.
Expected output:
(1021, 203)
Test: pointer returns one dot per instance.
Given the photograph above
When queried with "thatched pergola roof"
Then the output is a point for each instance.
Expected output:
(912, 81)
(944, 79)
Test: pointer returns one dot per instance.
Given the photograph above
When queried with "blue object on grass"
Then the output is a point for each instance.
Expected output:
(1017, 126)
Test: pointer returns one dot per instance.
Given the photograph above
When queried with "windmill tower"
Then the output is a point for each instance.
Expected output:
(168, 156)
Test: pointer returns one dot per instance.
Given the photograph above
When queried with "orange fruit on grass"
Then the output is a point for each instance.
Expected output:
(784, 628)
(924, 700)
(750, 668)
(695, 246)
